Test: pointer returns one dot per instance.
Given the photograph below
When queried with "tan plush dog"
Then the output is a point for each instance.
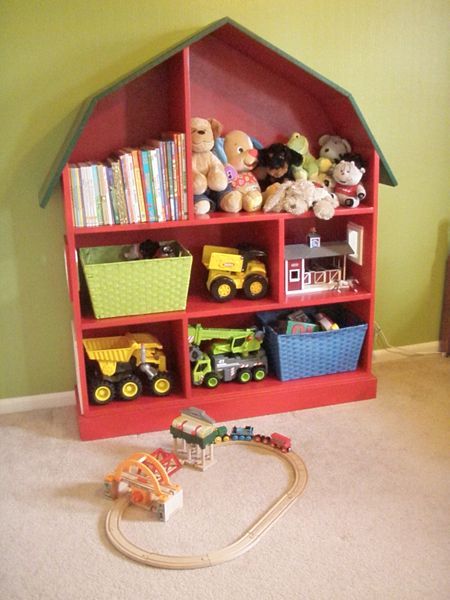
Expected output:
(208, 173)
(242, 157)
(297, 197)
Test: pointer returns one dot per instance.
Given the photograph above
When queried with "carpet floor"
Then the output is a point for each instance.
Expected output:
(372, 523)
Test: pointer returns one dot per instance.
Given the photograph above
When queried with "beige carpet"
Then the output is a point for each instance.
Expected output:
(372, 523)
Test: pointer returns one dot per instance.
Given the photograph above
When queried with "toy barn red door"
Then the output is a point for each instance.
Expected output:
(293, 275)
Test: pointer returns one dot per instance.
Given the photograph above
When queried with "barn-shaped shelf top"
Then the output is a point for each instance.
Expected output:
(223, 71)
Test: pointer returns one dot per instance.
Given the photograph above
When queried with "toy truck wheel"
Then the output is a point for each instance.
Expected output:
(223, 289)
(101, 392)
(211, 380)
(259, 373)
(195, 354)
(255, 286)
(244, 375)
(130, 388)
(161, 384)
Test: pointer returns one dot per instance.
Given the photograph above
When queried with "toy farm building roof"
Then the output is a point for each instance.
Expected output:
(226, 68)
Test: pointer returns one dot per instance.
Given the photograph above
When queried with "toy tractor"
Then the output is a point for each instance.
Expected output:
(118, 361)
(232, 269)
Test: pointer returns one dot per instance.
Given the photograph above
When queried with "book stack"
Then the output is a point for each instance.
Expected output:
(135, 185)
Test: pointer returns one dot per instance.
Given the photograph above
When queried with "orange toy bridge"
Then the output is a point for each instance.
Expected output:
(149, 470)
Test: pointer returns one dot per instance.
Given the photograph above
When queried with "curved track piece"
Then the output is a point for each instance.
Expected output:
(215, 557)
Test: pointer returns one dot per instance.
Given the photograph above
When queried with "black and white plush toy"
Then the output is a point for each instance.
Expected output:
(277, 161)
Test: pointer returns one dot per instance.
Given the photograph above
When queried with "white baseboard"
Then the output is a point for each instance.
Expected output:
(405, 352)
(25, 403)
(39, 401)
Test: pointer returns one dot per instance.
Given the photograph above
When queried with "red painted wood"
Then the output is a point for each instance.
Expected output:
(248, 86)
(251, 400)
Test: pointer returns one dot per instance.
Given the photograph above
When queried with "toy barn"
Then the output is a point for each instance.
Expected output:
(318, 268)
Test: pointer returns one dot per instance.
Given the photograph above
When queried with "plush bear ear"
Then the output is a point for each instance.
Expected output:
(324, 139)
(346, 144)
(216, 127)
(295, 158)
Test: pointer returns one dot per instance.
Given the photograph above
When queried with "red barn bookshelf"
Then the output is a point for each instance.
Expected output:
(227, 72)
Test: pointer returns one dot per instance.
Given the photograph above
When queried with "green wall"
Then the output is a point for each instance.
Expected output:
(391, 55)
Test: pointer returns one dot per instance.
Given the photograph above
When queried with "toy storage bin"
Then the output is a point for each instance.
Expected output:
(119, 287)
(312, 354)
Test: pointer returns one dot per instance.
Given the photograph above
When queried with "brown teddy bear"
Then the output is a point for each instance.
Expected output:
(208, 173)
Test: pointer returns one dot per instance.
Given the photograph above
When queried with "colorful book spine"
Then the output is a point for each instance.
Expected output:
(128, 193)
(104, 194)
(163, 178)
(179, 144)
(181, 188)
(156, 166)
(134, 152)
(119, 190)
(88, 195)
(112, 194)
(148, 184)
(77, 200)
(171, 176)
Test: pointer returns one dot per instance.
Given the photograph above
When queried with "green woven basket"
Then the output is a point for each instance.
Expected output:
(120, 287)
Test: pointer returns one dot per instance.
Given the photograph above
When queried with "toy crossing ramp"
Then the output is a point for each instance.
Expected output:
(244, 543)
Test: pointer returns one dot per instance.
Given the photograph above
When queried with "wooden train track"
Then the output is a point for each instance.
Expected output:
(245, 542)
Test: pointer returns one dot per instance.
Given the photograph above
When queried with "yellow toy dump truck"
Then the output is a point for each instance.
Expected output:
(118, 362)
(232, 269)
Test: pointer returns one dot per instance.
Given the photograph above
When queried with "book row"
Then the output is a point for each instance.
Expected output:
(135, 185)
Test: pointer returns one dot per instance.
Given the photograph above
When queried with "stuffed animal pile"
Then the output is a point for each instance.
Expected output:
(289, 178)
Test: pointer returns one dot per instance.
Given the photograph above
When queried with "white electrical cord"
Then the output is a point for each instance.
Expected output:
(379, 333)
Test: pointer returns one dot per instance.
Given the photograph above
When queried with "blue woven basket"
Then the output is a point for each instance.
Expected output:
(313, 354)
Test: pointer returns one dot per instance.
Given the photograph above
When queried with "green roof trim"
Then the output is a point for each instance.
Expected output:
(86, 109)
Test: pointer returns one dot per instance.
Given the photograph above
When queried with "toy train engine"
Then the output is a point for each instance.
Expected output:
(242, 433)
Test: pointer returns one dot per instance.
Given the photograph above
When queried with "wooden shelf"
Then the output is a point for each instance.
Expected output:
(216, 218)
(202, 78)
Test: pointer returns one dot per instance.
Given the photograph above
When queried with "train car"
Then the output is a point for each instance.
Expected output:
(221, 435)
(242, 433)
(281, 442)
(263, 439)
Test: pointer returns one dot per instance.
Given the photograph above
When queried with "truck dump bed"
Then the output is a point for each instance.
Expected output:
(221, 258)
